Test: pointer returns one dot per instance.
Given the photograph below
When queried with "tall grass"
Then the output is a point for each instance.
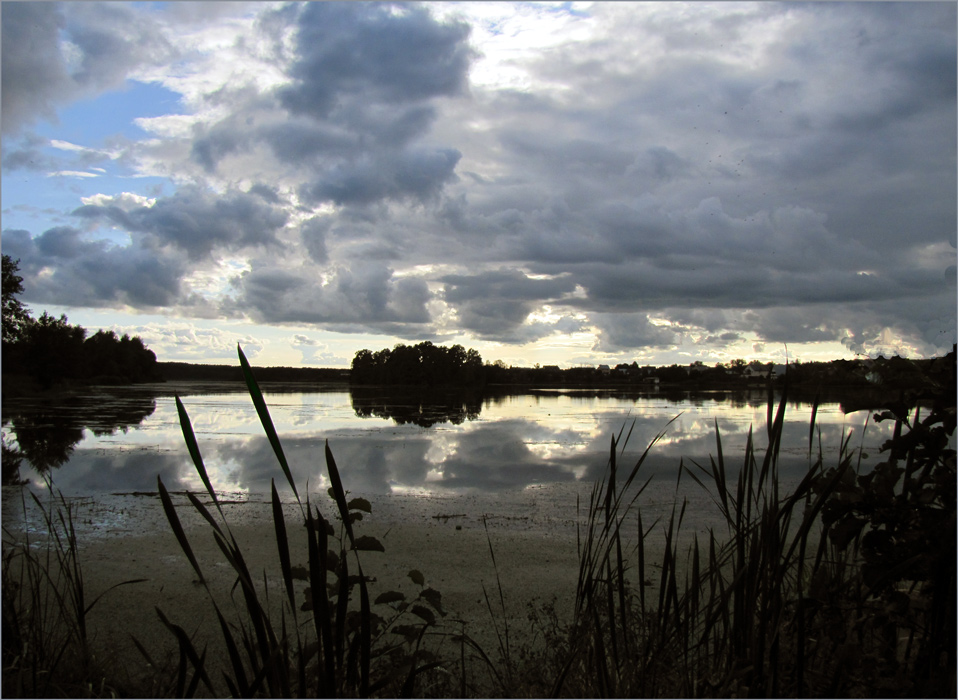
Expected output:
(777, 603)
(341, 646)
(48, 645)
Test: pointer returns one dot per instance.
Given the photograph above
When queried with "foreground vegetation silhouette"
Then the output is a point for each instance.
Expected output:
(843, 586)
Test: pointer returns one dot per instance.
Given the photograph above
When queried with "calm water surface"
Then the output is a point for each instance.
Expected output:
(119, 440)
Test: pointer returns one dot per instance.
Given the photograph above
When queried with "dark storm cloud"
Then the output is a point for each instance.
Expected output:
(305, 143)
(107, 40)
(112, 39)
(625, 331)
(364, 295)
(59, 267)
(380, 52)
(266, 193)
(34, 73)
(709, 283)
(414, 174)
(819, 174)
(355, 118)
(494, 304)
(785, 170)
(197, 221)
(313, 232)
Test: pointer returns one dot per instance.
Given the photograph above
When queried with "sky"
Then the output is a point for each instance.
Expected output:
(548, 183)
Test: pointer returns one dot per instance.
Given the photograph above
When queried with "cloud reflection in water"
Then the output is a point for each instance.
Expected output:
(498, 445)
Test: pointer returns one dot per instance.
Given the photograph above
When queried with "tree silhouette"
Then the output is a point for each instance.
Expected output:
(424, 364)
(15, 315)
(112, 358)
(52, 350)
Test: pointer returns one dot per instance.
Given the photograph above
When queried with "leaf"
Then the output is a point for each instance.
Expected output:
(300, 573)
(417, 577)
(390, 597)
(326, 525)
(425, 613)
(332, 561)
(264, 418)
(282, 544)
(845, 531)
(407, 631)
(177, 528)
(434, 598)
(338, 493)
(194, 449)
(308, 602)
(366, 543)
(360, 504)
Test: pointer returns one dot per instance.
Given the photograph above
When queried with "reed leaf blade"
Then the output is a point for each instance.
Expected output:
(264, 418)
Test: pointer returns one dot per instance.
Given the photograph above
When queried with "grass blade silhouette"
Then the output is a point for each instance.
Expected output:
(263, 412)
(177, 528)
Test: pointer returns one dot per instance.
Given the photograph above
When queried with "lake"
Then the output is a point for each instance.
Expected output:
(118, 440)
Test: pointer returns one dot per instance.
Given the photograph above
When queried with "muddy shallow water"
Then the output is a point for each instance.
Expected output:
(448, 479)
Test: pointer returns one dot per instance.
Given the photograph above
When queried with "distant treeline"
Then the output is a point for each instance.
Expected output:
(188, 372)
(884, 374)
(424, 364)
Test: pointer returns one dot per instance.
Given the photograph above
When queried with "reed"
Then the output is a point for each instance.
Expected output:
(341, 645)
(48, 648)
(780, 602)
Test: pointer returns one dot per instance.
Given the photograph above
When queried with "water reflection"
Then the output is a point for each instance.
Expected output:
(387, 443)
(424, 409)
(47, 431)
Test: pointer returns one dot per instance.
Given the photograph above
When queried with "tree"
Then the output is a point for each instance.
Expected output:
(16, 317)
(54, 349)
(424, 364)
(114, 359)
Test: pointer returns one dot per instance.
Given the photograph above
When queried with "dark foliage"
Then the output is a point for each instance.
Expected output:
(51, 351)
(418, 365)
(339, 641)
(900, 520)
(15, 314)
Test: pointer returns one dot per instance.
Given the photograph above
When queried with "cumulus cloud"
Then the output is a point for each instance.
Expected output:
(312, 351)
(755, 174)
(353, 119)
(375, 52)
(179, 341)
(313, 232)
(494, 304)
(618, 332)
(55, 52)
(417, 175)
(364, 296)
(34, 71)
(60, 267)
(196, 221)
